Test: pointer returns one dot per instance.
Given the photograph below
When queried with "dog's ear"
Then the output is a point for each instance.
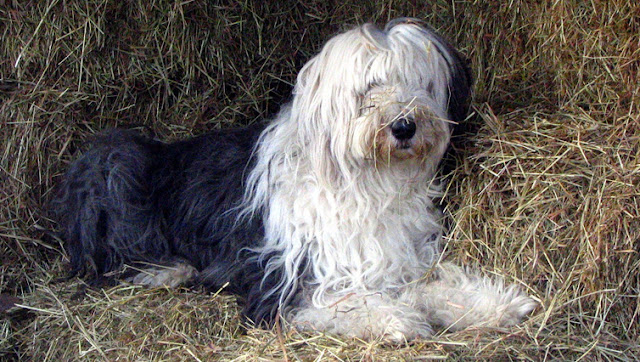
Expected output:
(319, 111)
(461, 86)
(461, 82)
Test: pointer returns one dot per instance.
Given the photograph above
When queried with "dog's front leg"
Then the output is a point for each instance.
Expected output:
(376, 316)
(458, 298)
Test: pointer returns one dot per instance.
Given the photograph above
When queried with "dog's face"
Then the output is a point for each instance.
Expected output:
(388, 95)
(399, 124)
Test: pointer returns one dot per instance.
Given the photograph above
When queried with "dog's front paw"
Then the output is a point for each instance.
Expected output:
(373, 317)
(171, 276)
(398, 330)
(459, 299)
(516, 306)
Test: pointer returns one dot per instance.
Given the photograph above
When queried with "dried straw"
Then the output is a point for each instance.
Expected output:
(543, 177)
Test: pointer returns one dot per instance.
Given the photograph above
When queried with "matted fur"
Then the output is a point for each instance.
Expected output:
(325, 215)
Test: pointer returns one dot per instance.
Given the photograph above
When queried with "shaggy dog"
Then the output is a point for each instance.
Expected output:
(324, 216)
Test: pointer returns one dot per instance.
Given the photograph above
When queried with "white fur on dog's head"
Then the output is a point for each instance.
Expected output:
(348, 95)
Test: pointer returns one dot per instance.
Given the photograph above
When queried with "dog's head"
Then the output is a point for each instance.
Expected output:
(389, 95)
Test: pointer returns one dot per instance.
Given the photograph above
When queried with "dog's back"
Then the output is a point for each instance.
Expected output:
(131, 200)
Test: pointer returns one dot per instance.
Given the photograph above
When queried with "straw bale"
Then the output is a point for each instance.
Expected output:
(543, 179)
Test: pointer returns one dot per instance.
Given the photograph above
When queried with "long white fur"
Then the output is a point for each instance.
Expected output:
(353, 228)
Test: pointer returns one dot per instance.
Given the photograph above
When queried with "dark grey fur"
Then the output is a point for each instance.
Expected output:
(131, 200)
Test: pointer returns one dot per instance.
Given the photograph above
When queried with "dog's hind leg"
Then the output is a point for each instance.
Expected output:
(170, 275)
(105, 206)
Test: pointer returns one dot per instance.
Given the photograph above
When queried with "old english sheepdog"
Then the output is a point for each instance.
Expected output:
(324, 216)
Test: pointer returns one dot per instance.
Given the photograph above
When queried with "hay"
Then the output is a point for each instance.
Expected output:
(544, 183)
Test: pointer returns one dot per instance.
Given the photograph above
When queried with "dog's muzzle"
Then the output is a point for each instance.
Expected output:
(403, 129)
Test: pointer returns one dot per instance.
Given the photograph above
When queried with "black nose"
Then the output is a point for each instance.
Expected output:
(403, 128)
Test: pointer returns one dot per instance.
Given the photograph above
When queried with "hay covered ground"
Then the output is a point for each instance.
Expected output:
(544, 181)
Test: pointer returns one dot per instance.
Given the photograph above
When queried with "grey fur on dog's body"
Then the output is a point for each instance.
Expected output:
(132, 200)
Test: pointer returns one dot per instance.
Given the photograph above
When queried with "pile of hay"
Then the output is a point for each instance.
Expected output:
(544, 182)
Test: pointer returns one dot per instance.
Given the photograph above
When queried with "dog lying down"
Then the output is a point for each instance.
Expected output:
(324, 215)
